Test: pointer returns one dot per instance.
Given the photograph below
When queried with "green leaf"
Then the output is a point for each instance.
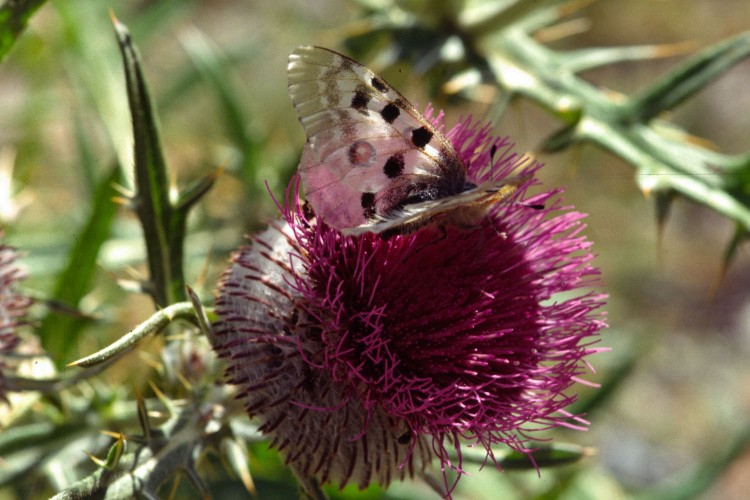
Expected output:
(544, 455)
(502, 46)
(60, 333)
(688, 78)
(14, 15)
(24, 447)
(163, 227)
(617, 377)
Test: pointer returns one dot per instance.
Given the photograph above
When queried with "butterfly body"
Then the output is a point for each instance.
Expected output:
(372, 162)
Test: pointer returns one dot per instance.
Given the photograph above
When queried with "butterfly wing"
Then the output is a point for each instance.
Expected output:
(465, 209)
(369, 152)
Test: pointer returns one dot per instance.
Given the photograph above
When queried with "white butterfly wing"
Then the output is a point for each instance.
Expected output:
(369, 153)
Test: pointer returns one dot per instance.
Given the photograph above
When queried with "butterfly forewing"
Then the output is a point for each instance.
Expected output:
(463, 209)
(369, 152)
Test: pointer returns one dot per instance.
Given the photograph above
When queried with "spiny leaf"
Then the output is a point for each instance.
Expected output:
(113, 455)
(163, 227)
(158, 321)
(690, 77)
(586, 59)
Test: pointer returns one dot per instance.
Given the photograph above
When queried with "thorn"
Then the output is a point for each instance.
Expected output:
(184, 381)
(158, 392)
(152, 361)
(196, 190)
(663, 201)
(740, 234)
(123, 190)
(163, 398)
(200, 313)
(125, 202)
(562, 30)
(143, 416)
(235, 453)
(98, 461)
(132, 286)
(113, 434)
(114, 453)
(61, 307)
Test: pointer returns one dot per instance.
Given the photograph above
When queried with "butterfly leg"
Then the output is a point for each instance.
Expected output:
(443, 237)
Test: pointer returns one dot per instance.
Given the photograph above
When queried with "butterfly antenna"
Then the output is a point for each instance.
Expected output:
(535, 206)
(493, 150)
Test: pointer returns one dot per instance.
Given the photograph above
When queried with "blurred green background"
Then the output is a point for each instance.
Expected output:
(679, 322)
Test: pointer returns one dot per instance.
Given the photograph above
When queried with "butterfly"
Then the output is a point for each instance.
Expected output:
(372, 162)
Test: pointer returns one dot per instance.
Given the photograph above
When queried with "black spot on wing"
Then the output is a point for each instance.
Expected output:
(420, 137)
(346, 63)
(394, 166)
(368, 205)
(378, 84)
(390, 112)
(360, 100)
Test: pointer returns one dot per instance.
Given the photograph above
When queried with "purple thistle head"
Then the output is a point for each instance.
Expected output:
(13, 307)
(366, 358)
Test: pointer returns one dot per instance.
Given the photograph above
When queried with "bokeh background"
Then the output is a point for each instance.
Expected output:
(677, 421)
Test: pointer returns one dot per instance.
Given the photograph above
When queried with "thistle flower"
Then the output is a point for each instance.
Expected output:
(12, 308)
(365, 359)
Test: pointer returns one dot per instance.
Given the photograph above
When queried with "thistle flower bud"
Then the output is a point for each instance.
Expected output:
(13, 307)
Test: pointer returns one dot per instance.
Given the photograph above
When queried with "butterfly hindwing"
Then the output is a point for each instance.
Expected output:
(369, 152)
